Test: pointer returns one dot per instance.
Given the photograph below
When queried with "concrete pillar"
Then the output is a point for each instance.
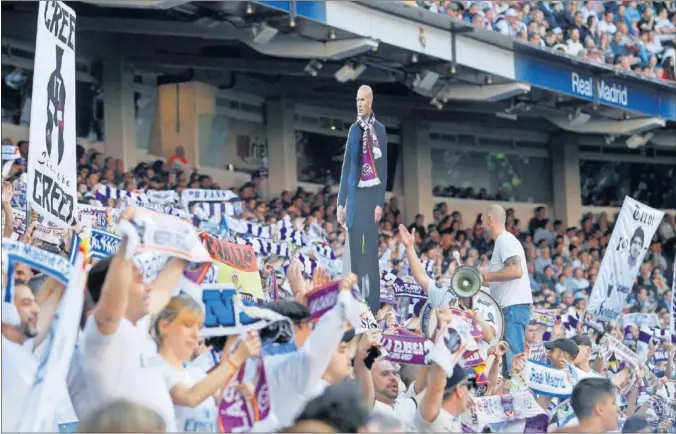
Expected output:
(416, 161)
(281, 134)
(184, 116)
(566, 181)
(119, 127)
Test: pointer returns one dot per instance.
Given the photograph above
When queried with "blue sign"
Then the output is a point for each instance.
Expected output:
(582, 84)
(311, 10)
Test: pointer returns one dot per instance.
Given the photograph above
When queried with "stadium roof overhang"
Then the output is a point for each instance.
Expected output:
(579, 87)
(420, 61)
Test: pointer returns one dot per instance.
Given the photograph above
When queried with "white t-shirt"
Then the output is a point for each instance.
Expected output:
(404, 410)
(125, 365)
(444, 422)
(19, 366)
(293, 377)
(319, 389)
(198, 419)
(77, 387)
(574, 48)
(510, 292)
(581, 375)
(605, 27)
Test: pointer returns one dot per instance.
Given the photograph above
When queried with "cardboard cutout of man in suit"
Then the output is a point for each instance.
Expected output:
(361, 195)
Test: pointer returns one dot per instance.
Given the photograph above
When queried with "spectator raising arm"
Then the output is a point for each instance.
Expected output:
(8, 214)
(417, 268)
(112, 305)
(362, 372)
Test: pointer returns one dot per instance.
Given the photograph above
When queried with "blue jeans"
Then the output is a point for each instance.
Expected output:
(516, 319)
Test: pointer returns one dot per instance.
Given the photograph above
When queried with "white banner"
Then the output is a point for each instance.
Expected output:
(47, 389)
(629, 242)
(52, 165)
(496, 409)
(610, 345)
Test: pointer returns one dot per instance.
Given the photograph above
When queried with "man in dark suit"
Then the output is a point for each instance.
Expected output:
(361, 195)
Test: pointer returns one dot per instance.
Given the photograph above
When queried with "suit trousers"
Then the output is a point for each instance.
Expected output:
(363, 245)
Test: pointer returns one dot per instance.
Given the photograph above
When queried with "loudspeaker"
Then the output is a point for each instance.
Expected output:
(466, 282)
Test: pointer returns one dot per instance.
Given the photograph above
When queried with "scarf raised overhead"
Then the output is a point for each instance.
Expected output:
(370, 152)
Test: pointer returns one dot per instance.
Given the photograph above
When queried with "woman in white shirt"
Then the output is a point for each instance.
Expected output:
(193, 391)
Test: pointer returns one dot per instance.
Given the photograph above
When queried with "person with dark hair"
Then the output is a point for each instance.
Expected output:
(340, 367)
(20, 342)
(340, 406)
(582, 361)
(593, 401)
(293, 377)
(385, 377)
(298, 313)
(635, 247)
(562, 351)
(310, 426)
(117, 352)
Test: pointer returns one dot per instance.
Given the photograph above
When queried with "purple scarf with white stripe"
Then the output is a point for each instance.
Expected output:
(370, 152)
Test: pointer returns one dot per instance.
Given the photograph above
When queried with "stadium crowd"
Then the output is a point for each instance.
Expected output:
(636, 36)
(310, 389)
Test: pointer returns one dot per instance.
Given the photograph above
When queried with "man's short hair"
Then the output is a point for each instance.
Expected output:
(588, 393)
(497, 212)
(638, 233)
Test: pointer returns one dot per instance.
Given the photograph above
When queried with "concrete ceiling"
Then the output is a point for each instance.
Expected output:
(213, 42)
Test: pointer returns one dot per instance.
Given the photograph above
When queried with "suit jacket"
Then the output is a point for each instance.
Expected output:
(351, 172)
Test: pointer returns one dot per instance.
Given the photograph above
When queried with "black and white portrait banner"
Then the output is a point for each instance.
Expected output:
(52, 165)
(634, 228)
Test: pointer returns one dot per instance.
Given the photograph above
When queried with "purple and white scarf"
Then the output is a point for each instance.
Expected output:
(104, 192)
(370, 152)
(293, 236)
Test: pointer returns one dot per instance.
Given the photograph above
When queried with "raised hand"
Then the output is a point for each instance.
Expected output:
(7, 192)
(378, 214)
(519, 363)
(340, 214)
(367, 340)
(320, 278)
(408, 238)
(295, 277)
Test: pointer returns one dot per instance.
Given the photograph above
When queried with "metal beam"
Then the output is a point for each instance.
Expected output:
(220, 31)
(137, 4)
(263, 66)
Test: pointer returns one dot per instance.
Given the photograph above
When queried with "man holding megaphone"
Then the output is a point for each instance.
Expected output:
(507, 276)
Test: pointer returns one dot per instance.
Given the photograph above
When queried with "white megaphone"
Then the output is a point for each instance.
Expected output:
(466, 281)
